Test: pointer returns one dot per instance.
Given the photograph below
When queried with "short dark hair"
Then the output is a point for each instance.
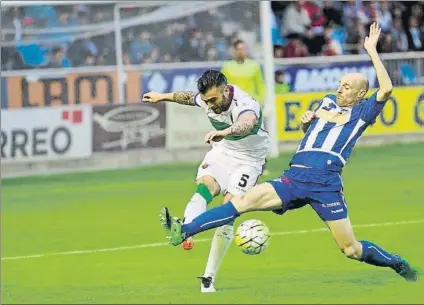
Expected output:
(210, 79)
(237, 42)
(56, 50)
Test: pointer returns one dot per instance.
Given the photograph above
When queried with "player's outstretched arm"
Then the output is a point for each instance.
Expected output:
(180, 97)
(370, 45)
(241, 127)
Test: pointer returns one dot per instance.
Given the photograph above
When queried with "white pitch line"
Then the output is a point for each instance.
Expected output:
(398, 223)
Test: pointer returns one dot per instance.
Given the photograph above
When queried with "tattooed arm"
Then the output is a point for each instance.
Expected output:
(181, 97)
(241, 127)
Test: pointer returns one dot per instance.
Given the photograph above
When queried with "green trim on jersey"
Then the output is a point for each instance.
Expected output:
(221, 126)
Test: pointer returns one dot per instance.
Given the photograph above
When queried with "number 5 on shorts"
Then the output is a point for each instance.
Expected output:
(243, 180)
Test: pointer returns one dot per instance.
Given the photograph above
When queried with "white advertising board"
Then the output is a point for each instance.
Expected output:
(41, 134)
(186, 126)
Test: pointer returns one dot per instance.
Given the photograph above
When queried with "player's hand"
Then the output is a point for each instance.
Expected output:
(370, 44)
(215, 136)
(307, 117)
(152, 97)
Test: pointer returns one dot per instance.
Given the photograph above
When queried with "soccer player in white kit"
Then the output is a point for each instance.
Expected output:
(240, 145)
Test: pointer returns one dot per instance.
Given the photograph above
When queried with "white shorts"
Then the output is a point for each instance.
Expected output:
(233, 175)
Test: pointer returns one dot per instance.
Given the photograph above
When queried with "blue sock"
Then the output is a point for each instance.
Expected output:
(212, 218)
(374, 255)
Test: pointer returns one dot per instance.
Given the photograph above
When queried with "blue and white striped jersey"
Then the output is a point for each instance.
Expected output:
(329, 141)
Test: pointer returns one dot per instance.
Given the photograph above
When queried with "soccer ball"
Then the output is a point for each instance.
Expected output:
(252, 237)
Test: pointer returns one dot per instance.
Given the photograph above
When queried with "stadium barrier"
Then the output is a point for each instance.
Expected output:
(100, 85)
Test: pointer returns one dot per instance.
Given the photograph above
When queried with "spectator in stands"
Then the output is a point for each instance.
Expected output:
(295, 19)
(384, 16)
(278, 51)
(191, 49)
(281, 87)
(89, 60)
(209, 40)
(166, 58)
(211, 54)
(315, 15)
(169, 41)
(399, 35)
(140, 48)
(314, 42)
(80, 47)
(295, 47)
(417, 12)
(221, 47)
(350, 14)
(62, 22)
(101, 60)
(10, 59)
(41, 14)
(416, 40)
(388, 45)
(58, 59)
(355, 34)
(33, 55)
(245, 72)
(331, 47)
(151, 57)
(332, 15)
(99, 17)
(365, 12)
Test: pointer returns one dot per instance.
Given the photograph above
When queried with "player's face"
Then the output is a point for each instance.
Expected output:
(350, 90)
(241, 51)
(217, 99)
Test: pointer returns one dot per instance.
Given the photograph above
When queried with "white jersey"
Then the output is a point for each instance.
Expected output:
(253, 147)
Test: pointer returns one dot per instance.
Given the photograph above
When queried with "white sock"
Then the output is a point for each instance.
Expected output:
(220, 244)
(196, 206)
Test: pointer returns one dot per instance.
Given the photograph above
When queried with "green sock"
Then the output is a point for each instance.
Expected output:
(198, 203)
(203, 191)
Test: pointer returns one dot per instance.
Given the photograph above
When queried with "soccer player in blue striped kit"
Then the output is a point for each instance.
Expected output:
(313, 178)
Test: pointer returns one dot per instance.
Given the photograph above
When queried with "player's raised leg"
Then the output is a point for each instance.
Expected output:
(206, 189)
(262, 197)
(366, 251)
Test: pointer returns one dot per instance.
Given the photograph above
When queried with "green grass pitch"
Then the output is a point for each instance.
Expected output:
(113, 209)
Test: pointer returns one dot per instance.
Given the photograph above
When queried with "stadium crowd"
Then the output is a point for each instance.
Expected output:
(300, 28)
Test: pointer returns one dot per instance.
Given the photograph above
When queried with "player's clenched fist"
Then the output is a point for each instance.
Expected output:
(307, 117)
(152, 97)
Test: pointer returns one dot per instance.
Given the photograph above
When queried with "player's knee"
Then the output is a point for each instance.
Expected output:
(352, 251)
(210, 183)
(243, 203)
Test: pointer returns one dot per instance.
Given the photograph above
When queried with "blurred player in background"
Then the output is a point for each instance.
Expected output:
(245, 72)
(281, 87)
(314, 174)
(236, 160)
